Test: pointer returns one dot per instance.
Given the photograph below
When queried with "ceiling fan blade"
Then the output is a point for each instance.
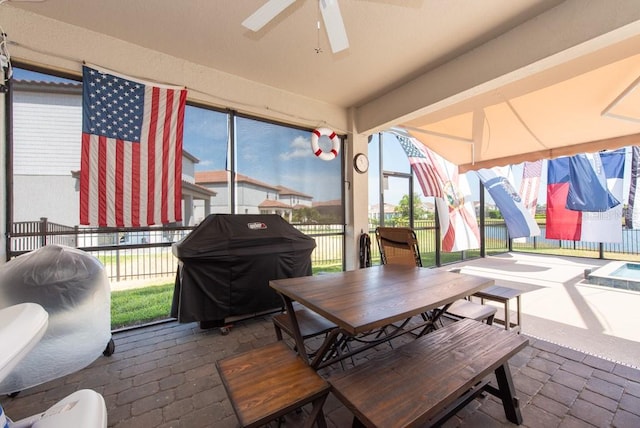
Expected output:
(335, 26)
(266, 13)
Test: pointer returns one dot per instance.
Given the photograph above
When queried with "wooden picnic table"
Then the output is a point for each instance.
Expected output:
(366, 300)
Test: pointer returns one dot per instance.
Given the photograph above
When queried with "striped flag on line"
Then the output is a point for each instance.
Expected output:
(530, 185)
(423, 164)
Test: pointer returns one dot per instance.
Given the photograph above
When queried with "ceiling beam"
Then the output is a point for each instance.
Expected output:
(567, 32)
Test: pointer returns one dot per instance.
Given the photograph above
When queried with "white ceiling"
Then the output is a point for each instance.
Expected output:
(438, 65)
(391, 41)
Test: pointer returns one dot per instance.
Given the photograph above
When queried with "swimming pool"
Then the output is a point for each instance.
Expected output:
(624, 275)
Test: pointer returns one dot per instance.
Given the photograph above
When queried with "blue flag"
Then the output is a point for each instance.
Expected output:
(632, 218)
(590, 226)
(588, 185)
(520, 223)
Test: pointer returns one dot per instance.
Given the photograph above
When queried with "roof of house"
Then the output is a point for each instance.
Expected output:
(388, 208)
(287, 191)
(270, 203)
(331, 203)
(222, 176)
(198, 188)
(55, 87)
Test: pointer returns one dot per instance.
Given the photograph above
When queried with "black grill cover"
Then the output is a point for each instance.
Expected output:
(226, 264)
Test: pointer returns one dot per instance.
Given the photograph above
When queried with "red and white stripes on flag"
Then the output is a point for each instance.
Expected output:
(423, 163)
(131, 162)
(530, 185)
(439, 178)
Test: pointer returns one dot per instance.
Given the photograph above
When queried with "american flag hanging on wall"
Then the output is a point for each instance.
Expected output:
(131, 162)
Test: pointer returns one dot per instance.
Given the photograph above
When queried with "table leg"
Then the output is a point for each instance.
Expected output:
(507, 394)
(316, 415)
(325, 355)
(296, 329)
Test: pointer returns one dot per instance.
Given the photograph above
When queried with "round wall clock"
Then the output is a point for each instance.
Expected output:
(361, 163)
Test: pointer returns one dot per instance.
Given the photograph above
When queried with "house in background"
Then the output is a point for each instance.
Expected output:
(329, 209)
(294, 198)
(252, 196)
(429, 206)
(374, 212)
(47, 128)
(47, 135)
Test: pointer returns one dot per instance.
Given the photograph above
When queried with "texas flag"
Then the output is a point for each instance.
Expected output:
(591, 226)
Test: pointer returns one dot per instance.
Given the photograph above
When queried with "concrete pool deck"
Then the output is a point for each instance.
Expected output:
(560, 306)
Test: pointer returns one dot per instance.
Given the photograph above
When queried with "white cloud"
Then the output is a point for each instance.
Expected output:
(300, 147)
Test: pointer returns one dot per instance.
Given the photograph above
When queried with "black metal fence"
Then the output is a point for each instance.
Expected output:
(145, 254)
(29, 235)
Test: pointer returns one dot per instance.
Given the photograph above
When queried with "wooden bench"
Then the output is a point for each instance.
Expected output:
(462, 308)
(428, 380)
(266, 383)
(501, 294)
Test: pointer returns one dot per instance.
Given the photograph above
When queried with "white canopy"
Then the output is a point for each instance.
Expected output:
(593, 111)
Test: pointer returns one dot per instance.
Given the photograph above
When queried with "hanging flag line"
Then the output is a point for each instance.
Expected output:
(583, 192)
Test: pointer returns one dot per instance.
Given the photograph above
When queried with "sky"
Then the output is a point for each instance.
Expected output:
(274, 154)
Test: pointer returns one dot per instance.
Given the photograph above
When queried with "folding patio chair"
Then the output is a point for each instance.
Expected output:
(399, 245)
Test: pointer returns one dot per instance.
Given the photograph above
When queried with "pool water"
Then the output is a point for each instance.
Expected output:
(628, 270)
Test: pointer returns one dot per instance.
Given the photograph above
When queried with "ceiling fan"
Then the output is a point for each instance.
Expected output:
(330, 15)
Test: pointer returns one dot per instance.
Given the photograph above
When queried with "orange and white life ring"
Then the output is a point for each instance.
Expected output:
(335, 149)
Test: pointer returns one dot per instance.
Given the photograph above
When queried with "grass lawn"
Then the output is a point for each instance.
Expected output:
(139, 306)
